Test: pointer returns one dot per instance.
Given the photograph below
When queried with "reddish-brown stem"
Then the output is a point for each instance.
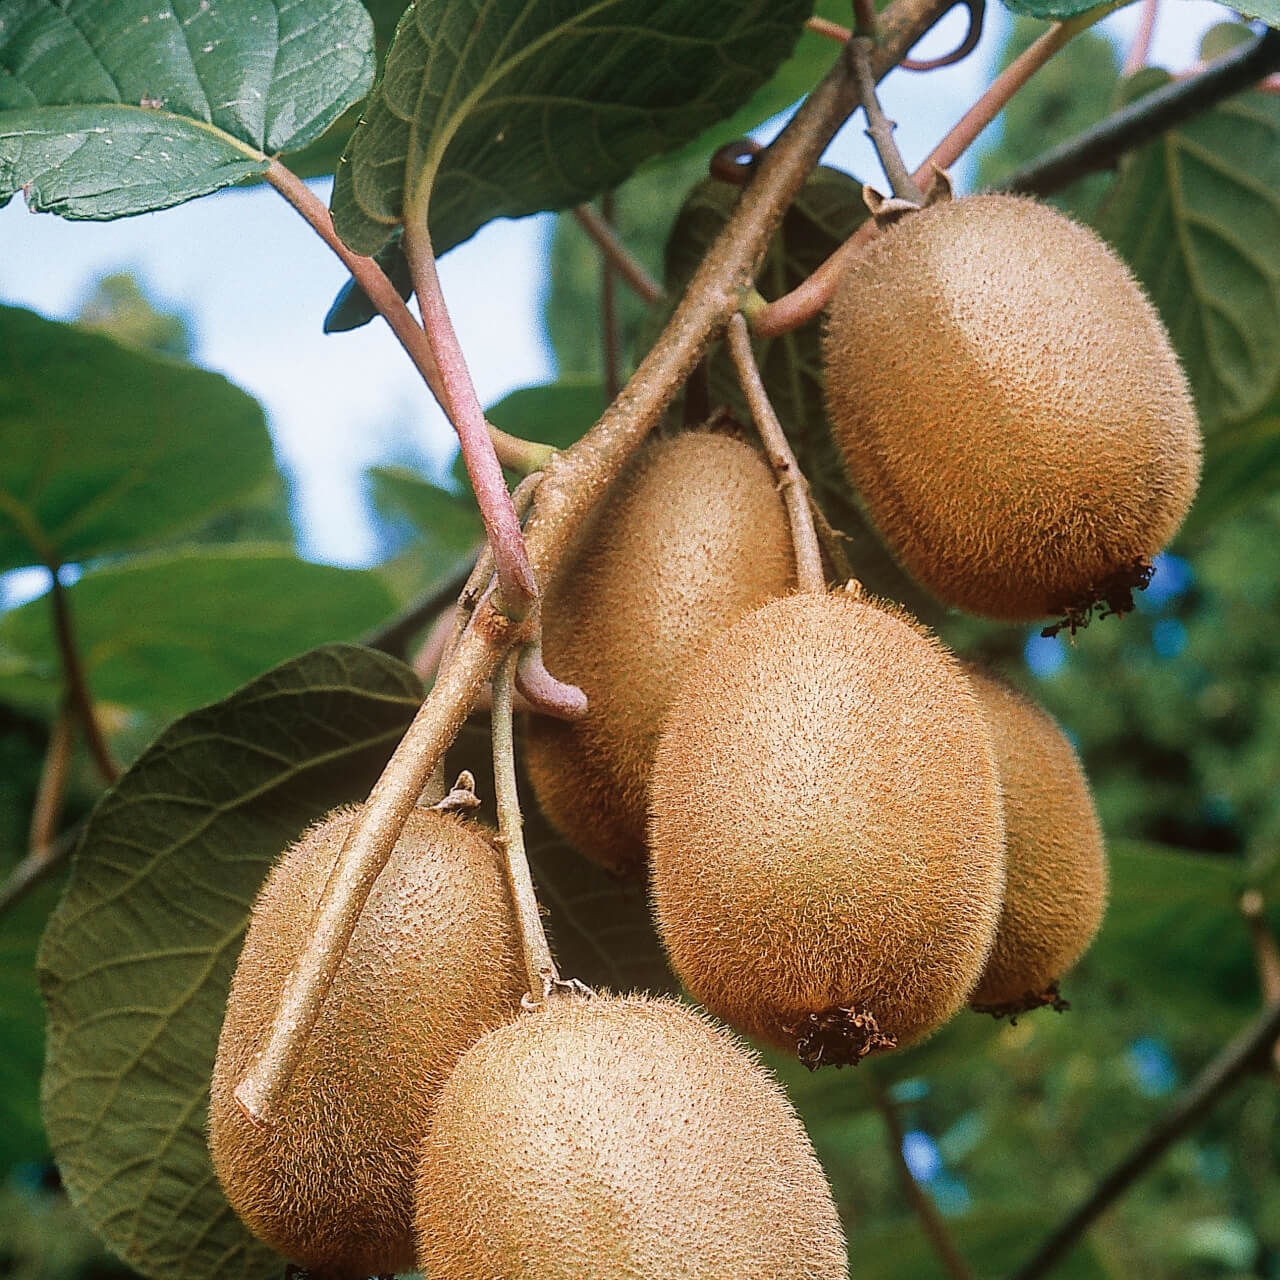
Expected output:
(572, 484)
(791, 481)
(732, 162)
(864, 18)
(1140, 49)
(921, 1201)
(808, 299)
(832, 30)
(520, 455)
(517, 586)
(623, 261)
(610, 338)
(544, 692)
(52, 786)
(77, 682)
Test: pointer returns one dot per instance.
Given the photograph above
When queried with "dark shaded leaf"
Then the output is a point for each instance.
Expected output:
(169, 632)
(137, 959)
(482, 105)
(107, 447)
(116, 107)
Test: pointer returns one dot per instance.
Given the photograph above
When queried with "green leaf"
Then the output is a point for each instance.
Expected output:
(826, 212)
(1197, 216)
(107, 447)
(449, 524)
(1267, 10)
(1056, 9)
(116, 107)
(1241, 466)
(481, 104)
(169, 632)
(601, 928)
(137, 959)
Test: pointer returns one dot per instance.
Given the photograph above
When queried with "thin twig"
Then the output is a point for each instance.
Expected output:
(574, 481)
(519, 455)
(795, 489)
(1102, 146)
(517, 586)
(805, 301)
(393, 637)
(832, 30)
(52, 787)
(879, 127)
(610, 337)
(1140, 49)
(624, 262)
(864, 19)
(921, 1201)
(35, 868)
(539, 965)
(77, 682)
(1266, 955)
(1230, 1066)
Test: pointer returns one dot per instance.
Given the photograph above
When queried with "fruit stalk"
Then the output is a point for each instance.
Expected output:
(1235, 1061)
(879, 127)
(540, 966)
(574, 482)
(795, 489)
(52, 786)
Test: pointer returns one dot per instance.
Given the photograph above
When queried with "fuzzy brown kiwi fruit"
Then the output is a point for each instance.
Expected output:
(432, 965)
(1055, 864)
(1009, 406)
(692, 535)
(826, 829)
(620, 1138)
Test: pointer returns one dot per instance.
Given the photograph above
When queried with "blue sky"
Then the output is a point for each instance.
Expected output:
(255, 283)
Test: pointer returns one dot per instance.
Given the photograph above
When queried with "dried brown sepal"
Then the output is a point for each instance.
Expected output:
(1013, 1009)
(1112, 597)
(838, 1038)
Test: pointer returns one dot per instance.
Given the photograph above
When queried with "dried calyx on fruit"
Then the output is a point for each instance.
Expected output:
(1055, 865)
(612, 1138)
(826, 829)
(693, 535)
(433, 964)
(1009, 406)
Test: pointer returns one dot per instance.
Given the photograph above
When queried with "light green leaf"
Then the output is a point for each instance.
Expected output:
(1197, 216)
(107, 447)
(116, 107)
(169, 632)
(137, 959)
(449, 524)
(483, 101)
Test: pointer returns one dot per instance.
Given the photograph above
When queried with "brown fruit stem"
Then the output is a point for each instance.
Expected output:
(791, 481)
(573, 482)
(930, 1219)
(805, 301)
(1235, 1061)
(879, 127)
(77, 683)
(540, 967)
(618, 256)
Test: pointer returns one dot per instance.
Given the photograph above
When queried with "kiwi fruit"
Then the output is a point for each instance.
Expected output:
(826, 833)
(1010, 408)
(1055, 864)
(693, 535)
(620, 1138)
(432, 965)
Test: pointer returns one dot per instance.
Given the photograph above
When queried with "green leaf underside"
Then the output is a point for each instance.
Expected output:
(167, 633)
(826, 212)
(106, 448)
(137, 959)
(484, 102)
(1056, 9)
(1267, 10)
(1197, 216)
(116, 107)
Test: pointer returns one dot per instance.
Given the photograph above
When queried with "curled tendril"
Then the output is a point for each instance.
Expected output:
(733, 161)
(977, 11)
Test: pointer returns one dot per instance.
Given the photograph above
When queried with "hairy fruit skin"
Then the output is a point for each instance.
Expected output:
(693, 535)
(1056, 870)
(433, 964)
(826, 824)
(620, 1138)
(1009, 406)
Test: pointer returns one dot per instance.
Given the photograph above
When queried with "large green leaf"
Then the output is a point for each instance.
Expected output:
(115, 107)
(107, 447)
(1197, 216)
(137, 959)
(483, 102)
(825, 213)
(169, 632)
(1056, 9)
(1242, 465)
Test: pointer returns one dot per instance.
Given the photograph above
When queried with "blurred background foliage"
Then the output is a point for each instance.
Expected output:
(1175, 709)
